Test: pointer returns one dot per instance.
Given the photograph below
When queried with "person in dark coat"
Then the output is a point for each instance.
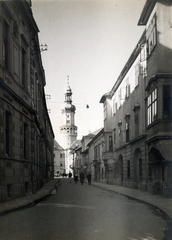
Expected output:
(76, 177)
(70, 176)
(82, 177)
(89, 178)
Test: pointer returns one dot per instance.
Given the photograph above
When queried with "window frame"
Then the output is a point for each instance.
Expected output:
(128, 168)
(24, 65)
(167, 101)
(152, 107)
(127, 132)
(105, 110)
(25, 141)
(110, 145)
(151, 36)
(6, 44)
(8, 132)
(137, 73)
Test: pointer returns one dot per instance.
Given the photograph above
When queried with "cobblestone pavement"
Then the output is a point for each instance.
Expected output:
(164, 204)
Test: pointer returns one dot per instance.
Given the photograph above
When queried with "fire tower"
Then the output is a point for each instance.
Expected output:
(68, 130)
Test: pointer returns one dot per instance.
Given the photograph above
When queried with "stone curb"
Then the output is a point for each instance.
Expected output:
(28, 201)
(163, 204)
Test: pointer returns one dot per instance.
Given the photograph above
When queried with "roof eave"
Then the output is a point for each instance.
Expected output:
(104, 97)
(148, 7)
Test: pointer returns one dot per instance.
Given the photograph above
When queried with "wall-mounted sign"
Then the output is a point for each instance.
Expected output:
(110, 161)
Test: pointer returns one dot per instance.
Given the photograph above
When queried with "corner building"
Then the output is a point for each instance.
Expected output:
(138, 109)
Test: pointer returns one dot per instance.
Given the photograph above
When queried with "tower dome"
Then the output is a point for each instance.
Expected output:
(68, 107)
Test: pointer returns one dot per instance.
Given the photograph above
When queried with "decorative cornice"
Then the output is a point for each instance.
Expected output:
(157, 76)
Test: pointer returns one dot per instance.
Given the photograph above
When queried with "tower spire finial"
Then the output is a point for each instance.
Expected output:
(68, 80)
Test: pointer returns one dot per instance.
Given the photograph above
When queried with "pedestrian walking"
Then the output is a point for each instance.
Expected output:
(75, 177)
(70, 177)
(56, 187)
(89, 178)
(82, 177)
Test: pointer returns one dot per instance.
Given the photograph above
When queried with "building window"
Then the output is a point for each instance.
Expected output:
(24, 62)
(25, 140)
(127, 91)
(9, 190)
(6, 44)
(128, 168)
(136, 74)
(8, 132)
(152, 107)
(23, 67)
(167, 102)
(105, 111)
(140, 168)
(114, 105)
(95, 152)
(151, 36)
(98, 151)
(114, 138)
(110, 144)
(33, 88)
(143, 60)
(127, 132)
(119, 98)
(136, 124)
(120, 131)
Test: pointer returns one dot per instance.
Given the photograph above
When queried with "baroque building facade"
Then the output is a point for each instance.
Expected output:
(138, 109)
(59, 159)
(96, 165)
(26, 134)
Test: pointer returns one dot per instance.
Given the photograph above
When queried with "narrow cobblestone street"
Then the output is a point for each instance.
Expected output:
(85, 212)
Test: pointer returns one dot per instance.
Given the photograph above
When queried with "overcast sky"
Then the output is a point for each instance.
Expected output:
(89, 41)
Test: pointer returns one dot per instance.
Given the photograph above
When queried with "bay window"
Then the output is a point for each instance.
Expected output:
(152, 107)
(167, 102)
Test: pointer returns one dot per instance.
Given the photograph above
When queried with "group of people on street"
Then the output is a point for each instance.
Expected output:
(82, 177)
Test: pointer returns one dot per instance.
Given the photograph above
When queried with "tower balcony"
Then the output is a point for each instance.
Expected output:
(67, 129)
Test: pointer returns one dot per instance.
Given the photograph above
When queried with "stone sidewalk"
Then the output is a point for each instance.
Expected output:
(164, 204)
(29, 199)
